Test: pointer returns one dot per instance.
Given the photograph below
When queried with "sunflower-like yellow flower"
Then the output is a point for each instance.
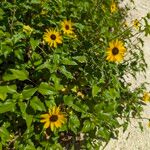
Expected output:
(54, 119)
(52, 37)
(116, 51)
(136, 24)
(113, 7)
(146, 97)
(67, 27)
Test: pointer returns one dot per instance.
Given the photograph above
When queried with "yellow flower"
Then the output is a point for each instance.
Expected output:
(116, 51)
(125, 24)
(146, 97)
(53, 119)
(52, 37)
(66, 27)
(27, 29)
(113, 7)
(136, 24)
(80, 94)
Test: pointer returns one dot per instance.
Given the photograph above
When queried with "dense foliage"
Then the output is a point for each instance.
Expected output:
(63, 71)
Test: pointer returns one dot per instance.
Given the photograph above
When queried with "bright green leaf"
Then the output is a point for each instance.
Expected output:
(7, 106)
(28, 92)
(68, 100)
(46, 89)
(34, 43)
(95, 90)
(16, 74)
(81, 59)
(36, 104)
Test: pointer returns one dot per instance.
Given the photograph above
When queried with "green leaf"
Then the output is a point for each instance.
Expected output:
(104, 133)
(36, 104)
(79, 26)
(67, 61)
(73, 123)
(16, 74)
(1, 12)
(68, 100)
(7, 106)
(28, 118)
(56, 81)
(46, 89)
(81, 59)
(34, 43)
(28, 92)
(35, 1)
(88, 126)
(3, 96)
(8, 89)
(0, 146)
(65, 72)
(17, 37)
(95, 90)
(4, 134)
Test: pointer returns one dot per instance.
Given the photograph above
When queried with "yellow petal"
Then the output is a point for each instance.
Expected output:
(46, 125)
(45, 116)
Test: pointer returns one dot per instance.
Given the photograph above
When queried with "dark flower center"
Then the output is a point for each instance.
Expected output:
(53, 36)
(67, 27)
(53, 118)
(115, 51)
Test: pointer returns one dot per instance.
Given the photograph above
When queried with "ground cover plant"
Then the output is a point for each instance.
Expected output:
(63, 70)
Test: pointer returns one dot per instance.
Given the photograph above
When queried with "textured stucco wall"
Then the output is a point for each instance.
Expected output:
(137, 140)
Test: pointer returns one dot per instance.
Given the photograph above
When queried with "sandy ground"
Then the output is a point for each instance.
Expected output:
(137, 140)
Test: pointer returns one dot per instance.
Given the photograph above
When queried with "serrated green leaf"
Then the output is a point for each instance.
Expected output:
(34, 43)
(65, 72)
(36, 104)
(28, 118)
(88, 126)
(7, 106)
(68, 100)
(73, 123)
(4, 134)
(0, 146)
(16, 74)
(95, 90)
(8, 89)
(46, 89)
(3, 96)
(67, 61)
(81, 59)
(28, 92)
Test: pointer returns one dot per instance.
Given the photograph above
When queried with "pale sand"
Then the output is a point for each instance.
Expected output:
(137, 140)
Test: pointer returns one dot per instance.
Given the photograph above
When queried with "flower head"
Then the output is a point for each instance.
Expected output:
(53, 119)
(113, 7)
(146, 97)
(136, 24)
(67, 27)
(116, 51)
(52, 37)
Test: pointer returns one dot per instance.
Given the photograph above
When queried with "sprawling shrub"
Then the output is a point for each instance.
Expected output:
(63, 71)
